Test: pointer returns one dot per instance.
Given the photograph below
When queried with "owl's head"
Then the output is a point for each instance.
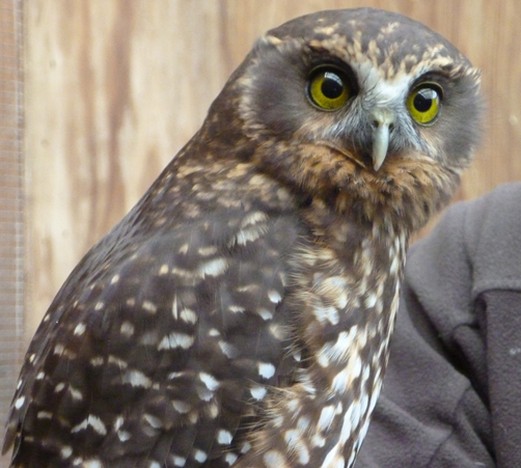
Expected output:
(363, 97)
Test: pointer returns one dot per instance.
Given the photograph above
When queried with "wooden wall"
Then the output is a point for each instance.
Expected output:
(11, 201)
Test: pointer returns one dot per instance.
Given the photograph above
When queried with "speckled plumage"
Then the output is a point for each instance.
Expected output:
(240, 314)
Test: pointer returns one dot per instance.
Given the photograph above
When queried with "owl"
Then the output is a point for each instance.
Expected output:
(240, 313)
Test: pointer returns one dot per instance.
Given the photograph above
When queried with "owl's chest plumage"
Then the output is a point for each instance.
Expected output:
(292, 298)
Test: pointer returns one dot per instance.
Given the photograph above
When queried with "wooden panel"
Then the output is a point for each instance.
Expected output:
(115, 88)
(11, 202)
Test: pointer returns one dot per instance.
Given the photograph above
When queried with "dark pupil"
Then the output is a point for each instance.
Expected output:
(332, 86)
(423, 99)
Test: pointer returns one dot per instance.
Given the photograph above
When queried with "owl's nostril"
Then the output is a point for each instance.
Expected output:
(378, 123)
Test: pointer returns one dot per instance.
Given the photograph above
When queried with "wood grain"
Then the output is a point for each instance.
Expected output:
(114, 89)
(11, 203)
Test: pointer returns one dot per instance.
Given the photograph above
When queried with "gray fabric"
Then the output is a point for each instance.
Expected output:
(452, 393)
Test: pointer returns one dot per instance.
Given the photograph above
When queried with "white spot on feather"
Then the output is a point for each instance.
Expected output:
(254, 218)
(175, 375)
(340, 381)
(19, 402)
(96, 361)
(200, 456)
(292, 405)
(126, 328)
(266, 370)
(188, 316)
(292, 438)
(207, 251)
(302, 454)
(339, 350)
(66, 451)
(230, 458)
(75, 393)
(92, 463)
(153, 421)
(258, 393)
(181, 406)
(213, 267)
(245, 447)
(117, 362)
(136, 379)
(178, 461)
(274, 459)
(303, 423)
(249, 234)
(228, 350)
(118, 422)
(277, 331)
(297, 355)
(123, 436)
(334, 459)
(213, 410)
(93, 421)
(274, 296)
(59, 387)
(80, 329)
(149, 306)
(114, 279)
(264, 313)
(318, 441)
(370, 300)
(326, 418)
(323, 360)
(224, 437)
(176, 340)
(326, 314)
(395, 264)
(209, 380)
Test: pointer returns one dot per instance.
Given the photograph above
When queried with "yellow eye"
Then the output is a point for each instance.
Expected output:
(328, 89)
(424, 102)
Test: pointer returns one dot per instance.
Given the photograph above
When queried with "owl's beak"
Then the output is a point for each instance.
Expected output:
(382, 123)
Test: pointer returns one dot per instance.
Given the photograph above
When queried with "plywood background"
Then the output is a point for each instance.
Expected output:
(114, 88)
(11, 201)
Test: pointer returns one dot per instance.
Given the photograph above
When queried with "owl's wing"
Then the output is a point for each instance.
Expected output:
(156, 347)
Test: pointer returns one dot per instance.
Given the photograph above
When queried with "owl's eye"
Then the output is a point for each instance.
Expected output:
(328, 88)
(424, 102)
